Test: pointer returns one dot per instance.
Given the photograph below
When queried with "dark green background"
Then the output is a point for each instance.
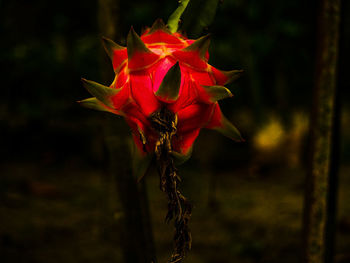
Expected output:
(57, 200)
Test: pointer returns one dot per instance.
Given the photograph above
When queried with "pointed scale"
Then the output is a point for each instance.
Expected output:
(195, 54)
(95, 104)
(225, 77)
(229, 130)
(232, 75)
(201, 45)
(222, 125)
(170, 87)
(159, 25)
(139, 56)
(216, 93)
(101, 92)
(116, 53)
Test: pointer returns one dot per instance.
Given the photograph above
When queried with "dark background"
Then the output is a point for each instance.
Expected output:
(57, 197)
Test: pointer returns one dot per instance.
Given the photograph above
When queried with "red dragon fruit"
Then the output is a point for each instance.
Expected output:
(158, 70)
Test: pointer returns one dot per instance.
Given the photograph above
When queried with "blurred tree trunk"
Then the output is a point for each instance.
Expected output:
(136, 237)
(134, 226)
(321, 178)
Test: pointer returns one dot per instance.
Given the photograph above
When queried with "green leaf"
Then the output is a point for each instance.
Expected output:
(170, 86)
(229, 130)
(174, 19)
(198, 16)
(95, 104)
(217, 92)
(101, 92)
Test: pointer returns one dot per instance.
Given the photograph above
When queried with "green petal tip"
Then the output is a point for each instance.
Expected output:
(159, 25)
(95, 104)
(201, 45)
(229, 130)
(135, 44)
(217, 92)
(232, 75)
(110, 46)
(170, 86)
(101, 92)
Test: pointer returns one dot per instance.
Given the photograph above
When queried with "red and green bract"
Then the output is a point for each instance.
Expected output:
(164, 69)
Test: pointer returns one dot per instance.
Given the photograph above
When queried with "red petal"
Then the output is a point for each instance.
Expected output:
(160, 36)
(220, 78)
(164, 49)
(119, 57)
(193, 117)
(191, 58)
(141, 90)
(141, 60)
(184, 142)
(188, 93)
(121, 78)
(202, 78)
(215, 118)
(121, 98)
(132, 111)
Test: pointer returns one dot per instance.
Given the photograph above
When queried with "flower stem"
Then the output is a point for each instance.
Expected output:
(179, 209)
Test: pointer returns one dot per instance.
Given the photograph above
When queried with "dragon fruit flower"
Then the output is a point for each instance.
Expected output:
(158, 70)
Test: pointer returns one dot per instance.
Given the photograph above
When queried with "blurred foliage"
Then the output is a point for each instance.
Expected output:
(205, 12)
(53, 202)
